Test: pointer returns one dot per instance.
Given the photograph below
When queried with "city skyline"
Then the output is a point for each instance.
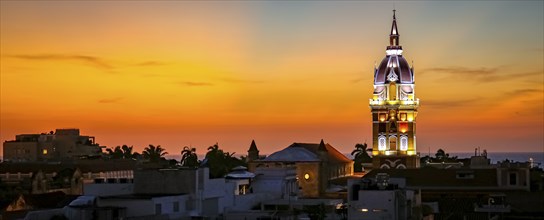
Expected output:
(181, 74)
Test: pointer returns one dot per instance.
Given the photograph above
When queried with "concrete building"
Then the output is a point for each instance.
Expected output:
(473, 193)
(380, 198)
(163, 194)
(315, 164)
(63, 144)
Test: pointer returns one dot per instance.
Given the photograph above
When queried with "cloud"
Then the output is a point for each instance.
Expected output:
(482, 74)
(449, 103)
(521, 92)
(150, 63)
(190, 83)
(482, 71)
(111, 100)
(93, 61)
(235, 80)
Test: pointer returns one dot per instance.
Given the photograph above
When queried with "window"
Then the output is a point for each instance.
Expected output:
(393, 127)
(381, 143)
(403, 116)
(513, 179)
(464, 175)
(158, 208)
(382, 117)
(382, 127)
(393, 143)
(176, 207)
(403, 127)
(404, 143)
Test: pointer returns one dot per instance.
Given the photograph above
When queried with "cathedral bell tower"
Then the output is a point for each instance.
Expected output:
(394, 109)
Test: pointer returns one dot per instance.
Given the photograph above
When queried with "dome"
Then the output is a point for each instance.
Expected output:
(293, 154)
(393, 68)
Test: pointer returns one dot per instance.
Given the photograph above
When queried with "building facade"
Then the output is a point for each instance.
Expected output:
(394, 109)
(315, 164)
(61, 145)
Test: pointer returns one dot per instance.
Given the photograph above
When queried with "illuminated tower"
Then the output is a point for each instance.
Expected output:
(394, 109)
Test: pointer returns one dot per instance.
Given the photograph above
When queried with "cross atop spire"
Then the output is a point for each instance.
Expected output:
(394, 35)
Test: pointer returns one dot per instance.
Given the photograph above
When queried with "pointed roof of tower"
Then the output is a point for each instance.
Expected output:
(394, 35)
(322, 146)
(253, 146)
(394, 30)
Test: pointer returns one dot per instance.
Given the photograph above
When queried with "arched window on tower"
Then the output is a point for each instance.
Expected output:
(393, 91)
(403, 143)
(393, 143)
(381, 143)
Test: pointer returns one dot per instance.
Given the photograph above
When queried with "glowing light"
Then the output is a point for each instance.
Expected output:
(403, 127)
(403, 143)
(381, 143)
(364, 210)
(390, 152)
(393, 52)
(382, 117)
(44, 151)
(306, 176)
(411, 152)
(410, 118)
(403, 116)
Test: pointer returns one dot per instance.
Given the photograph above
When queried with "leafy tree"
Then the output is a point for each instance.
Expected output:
(154, 154)
(115, 153)
(360, 155)
(124, 152)
(189, 158)
(220, 162)
(442, 156)
(127, 152)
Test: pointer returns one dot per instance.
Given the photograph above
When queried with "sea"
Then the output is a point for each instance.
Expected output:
(538, 157)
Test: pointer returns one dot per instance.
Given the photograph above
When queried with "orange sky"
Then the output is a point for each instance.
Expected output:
(197, 73)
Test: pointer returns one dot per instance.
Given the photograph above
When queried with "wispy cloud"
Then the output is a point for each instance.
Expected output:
(150, 63)
(110, 100)
(191, 83)
(93, 61)
(449, 103)
(482, 71)
(522, 92)
(482, 74)
(236, 80)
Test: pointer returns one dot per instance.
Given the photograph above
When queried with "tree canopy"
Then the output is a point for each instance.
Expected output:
(154, 154)
(189, 158)
(360, 155)
(221, 162)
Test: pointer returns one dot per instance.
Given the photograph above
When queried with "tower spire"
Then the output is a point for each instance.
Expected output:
(394, 35)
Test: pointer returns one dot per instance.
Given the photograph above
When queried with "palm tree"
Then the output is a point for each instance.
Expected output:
(116, 153)
(154, 154)
(189, 158)
(127, 152)
(221, 162)
(360, 155)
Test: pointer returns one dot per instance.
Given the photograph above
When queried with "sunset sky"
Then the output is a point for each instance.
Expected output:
(187, 73)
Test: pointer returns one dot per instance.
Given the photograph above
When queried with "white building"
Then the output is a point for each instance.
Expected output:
(380, 198)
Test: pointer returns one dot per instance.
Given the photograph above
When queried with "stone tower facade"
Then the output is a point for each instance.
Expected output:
(394, 109)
